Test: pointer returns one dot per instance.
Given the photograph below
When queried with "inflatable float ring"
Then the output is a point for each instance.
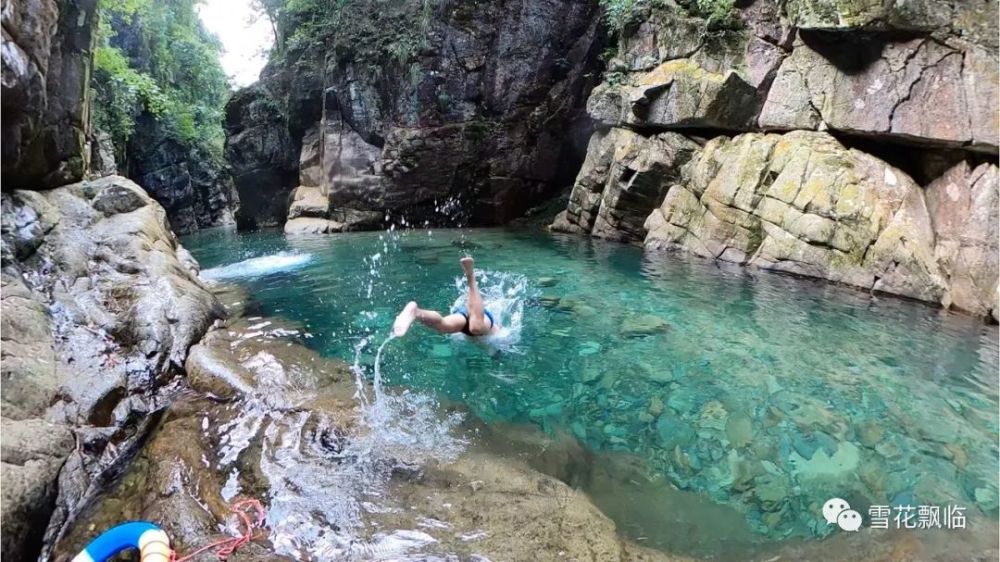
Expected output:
(152, 542)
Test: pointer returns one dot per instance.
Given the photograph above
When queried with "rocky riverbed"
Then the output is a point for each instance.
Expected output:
(263, 416)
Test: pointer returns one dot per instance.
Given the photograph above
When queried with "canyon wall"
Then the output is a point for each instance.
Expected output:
(844, 141)
(47, 62)
(194, 187)
(472, 114)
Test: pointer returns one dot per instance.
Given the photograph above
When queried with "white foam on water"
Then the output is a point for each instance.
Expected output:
(255, 267)
(504, 295)
(406, 426)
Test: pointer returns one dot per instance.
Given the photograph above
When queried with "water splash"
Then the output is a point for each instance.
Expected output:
(255, 267)
(378, 368)
(504, 295)
(406, 425)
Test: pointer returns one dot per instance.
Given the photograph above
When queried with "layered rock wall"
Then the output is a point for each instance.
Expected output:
(481, 122)
(811, 124)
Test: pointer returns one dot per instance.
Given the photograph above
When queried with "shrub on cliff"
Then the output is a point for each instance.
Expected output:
(621, 13)
(367, 31)
(154, 56)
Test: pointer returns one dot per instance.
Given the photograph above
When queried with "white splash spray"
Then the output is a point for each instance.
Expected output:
(504, 295)
(254, 267)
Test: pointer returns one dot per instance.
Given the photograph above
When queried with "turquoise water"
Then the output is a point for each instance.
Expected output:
(754, 396)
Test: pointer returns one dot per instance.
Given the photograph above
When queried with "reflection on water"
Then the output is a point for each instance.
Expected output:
(749, 398)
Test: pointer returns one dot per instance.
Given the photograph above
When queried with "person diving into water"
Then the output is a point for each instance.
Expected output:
(471, 319)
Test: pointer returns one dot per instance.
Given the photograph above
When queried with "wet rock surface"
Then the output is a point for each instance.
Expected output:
(100, 304)
(270, 419)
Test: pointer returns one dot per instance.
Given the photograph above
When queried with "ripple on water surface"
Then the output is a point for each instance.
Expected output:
(749, 398)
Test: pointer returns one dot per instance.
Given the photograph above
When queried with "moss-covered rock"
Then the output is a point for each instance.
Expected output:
(678, 93)
(805, 204)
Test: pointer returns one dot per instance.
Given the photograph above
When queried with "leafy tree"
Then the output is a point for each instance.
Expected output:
(366, 31)
(154, 56)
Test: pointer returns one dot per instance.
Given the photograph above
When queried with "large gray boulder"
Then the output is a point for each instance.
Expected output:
(262, 155)
(623, 179)
(31, 455)
(100, 305)
(677, 94)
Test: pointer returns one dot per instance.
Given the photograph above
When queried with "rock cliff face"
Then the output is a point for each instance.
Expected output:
(46, 59)
(480, 123)
(747, 144)
(99, 301)
(196, 191)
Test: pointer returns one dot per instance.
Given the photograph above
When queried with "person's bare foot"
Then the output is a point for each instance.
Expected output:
(405, 319)
(467, 265)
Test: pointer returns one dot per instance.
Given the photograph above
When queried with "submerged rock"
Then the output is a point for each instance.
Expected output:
(823, 467)
(739, 430)
(549, 301)
(643, 325)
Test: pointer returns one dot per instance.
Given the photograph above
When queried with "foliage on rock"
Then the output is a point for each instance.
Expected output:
(621, 13)
(373, 31)
(178, 79)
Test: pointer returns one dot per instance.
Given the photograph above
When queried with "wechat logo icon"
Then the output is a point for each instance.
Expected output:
(838, 512)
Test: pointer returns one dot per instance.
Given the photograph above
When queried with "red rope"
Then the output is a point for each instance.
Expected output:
(227, 546)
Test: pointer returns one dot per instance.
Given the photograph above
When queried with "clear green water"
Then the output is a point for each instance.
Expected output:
(764, 396)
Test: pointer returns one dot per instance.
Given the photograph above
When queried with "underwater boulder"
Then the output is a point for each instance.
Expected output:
(643, 325)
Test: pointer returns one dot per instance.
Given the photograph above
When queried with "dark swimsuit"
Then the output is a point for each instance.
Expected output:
(461, 309)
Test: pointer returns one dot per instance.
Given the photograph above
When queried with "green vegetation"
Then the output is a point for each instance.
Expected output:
(373, 31)
(169, 69)
(621, 13)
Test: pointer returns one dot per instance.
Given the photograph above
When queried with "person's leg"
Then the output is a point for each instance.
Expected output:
(478, 323)
(443, 324)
